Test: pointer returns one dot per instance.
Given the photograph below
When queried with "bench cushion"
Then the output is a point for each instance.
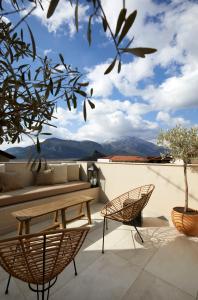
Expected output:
(38, 192)
(10, 181)
(73, 172)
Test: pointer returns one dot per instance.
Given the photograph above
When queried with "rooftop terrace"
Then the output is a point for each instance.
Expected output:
(164, 267)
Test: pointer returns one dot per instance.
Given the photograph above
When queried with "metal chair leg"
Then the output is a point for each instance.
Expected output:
(139, 234)
(75, 268)
(106, 224)
(43, 292)
(103, 234)
(48, 290)
(37, 292)
(8, 283)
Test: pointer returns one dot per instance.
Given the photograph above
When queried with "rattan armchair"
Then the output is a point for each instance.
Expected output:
(127, 207)
(39, 258)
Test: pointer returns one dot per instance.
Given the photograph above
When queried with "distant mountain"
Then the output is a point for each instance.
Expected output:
(133, 146)
(54, 148)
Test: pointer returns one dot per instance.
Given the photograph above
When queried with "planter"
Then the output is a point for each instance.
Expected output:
(186, 223)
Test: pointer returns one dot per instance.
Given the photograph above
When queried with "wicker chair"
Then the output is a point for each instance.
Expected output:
(39, 258)
(127, 207)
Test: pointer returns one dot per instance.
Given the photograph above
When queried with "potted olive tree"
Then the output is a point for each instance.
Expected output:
(182, 143)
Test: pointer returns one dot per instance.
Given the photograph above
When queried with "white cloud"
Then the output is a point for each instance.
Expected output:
(5, 19)
(126, 81)
(110, 119)
(175, 38)
(47, 51)
(63, 15)
(170, 121)
(175, 92)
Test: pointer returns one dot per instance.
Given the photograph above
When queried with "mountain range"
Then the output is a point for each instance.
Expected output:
(55, 148)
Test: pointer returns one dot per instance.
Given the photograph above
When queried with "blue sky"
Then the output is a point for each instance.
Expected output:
(159, 91)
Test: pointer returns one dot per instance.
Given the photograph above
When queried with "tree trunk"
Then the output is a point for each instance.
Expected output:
(186, 187)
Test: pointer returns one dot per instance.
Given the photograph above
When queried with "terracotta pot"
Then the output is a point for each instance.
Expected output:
(186, 223)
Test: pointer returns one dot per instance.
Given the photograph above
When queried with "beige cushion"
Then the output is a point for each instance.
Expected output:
(73, 172)
(10, 181)
(59, 173)
(26, 174)
(2, 167)
(45, 177)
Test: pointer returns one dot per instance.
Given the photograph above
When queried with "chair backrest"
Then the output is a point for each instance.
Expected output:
(135, 200)
(38, 258)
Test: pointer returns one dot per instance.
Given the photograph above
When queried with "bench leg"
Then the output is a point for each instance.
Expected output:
(63, 219)
(27, 227)
(88, 213)
(55, 218)
(81, 209)
(20, 227)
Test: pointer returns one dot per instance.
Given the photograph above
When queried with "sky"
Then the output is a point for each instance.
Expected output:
(159, 91)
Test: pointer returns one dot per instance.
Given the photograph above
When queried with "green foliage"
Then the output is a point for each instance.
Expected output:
(182, 143)
(29, 94)
(123, 26)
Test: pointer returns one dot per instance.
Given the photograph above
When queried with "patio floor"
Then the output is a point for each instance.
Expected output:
(164, 267)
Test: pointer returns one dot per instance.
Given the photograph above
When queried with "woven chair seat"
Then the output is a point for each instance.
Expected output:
(39, 258)
(128, 205)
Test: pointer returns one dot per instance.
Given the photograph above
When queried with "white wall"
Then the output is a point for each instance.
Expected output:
(117, 178)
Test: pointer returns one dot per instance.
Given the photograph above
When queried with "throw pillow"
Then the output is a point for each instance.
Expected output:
(45, 177)
(128, 201)
(10, 181)
(59, 173)
(73, 172)
(2, 167)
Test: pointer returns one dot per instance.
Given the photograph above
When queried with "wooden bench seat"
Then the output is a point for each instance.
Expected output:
(59, 204)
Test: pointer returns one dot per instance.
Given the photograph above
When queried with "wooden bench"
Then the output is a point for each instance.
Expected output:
(24, 216)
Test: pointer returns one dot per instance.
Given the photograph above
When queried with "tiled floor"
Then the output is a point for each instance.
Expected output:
(164, 267)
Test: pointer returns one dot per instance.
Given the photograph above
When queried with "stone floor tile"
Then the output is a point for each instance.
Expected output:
(134, 251)
(150, 287)
(13, 293)
(108, 278)
(177, 263)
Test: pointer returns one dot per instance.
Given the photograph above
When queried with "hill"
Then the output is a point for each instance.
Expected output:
(54, 148)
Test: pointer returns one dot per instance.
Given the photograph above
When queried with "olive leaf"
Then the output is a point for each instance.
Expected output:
(128, 23)
(33, 43)
(80, 92)
(61, 58)
(119, 66)
(76, 15)
(89, 31)
(52, 7)
(92, 105)
(140, 52)
(38, 146)
(84, 111)
(104, 24)
(120, 21)
(74, 100)
(83, 83)
(110, 67)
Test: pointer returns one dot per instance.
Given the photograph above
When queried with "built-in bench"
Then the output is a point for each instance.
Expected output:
(32, 195)
(38, 192)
